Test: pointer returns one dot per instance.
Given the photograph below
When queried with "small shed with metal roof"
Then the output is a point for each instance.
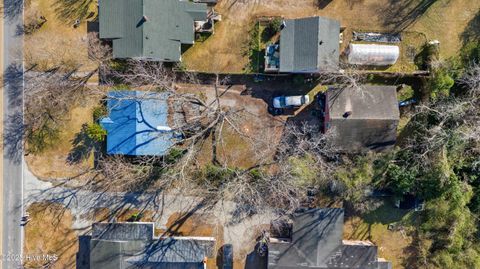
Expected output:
(137, 123)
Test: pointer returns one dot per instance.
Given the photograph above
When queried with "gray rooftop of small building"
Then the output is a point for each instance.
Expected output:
(149, 29)
(123, 231)
(316, 234)
(309, 45)
(317, 243)
(367, 102)
(131, 245)
(373, 121)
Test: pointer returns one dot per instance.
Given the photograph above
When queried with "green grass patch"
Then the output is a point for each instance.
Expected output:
(405, 93)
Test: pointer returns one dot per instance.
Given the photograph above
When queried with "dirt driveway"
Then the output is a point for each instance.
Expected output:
(225, 51)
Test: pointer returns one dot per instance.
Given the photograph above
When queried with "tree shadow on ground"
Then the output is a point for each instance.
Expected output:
(83, 146)
(385, 214)
(13, 137)
(71, 10)
(399, 15)
(12, 9)
(13, 119)
(472, 31)
(471, 41)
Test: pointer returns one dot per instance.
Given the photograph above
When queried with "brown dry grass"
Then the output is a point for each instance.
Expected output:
(56, 43)
(445, 20)
(53, 163)
(125, 215)
(49, 232)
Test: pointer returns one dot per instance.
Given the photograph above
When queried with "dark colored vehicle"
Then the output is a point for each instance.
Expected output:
(275, 111)
(407, 102)
(321, 99)
(227, 256)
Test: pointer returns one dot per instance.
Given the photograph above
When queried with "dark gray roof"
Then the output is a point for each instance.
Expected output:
(149, 28)
(316, 234)
(354, 256)
(122, 231)
(309, 45)
(176, 250)
(317, 243)
(373, 121)
(106, 254)
(113, 247)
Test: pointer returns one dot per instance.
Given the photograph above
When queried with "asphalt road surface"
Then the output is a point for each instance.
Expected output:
(12, 57)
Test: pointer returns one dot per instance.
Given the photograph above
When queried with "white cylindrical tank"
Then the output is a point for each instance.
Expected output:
(371, 54)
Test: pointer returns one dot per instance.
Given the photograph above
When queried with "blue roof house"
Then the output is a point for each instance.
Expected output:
(137, 124)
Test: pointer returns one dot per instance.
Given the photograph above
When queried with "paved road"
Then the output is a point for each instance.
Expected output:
(12, 57)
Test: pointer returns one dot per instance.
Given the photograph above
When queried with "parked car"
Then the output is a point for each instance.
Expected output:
(290, 101)
(227, 256)
(321, 99)
(407, 102)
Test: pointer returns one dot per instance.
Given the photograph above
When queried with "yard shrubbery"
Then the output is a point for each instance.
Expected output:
(96, 132)
(254, 50)
(271, 29)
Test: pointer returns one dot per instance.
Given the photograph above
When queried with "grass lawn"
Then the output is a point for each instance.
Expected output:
(444, 20)
(392, 245)
(57, 42)
(54, 163)
(50, 232)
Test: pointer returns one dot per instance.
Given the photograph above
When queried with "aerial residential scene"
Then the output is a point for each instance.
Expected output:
(240, 134)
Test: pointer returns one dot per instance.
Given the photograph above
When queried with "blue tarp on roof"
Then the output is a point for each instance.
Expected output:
(133, 121)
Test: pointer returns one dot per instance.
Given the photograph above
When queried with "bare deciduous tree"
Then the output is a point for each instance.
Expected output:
(48, 99)
(471, 79)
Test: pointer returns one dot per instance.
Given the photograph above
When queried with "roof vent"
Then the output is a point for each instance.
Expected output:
(163, 129)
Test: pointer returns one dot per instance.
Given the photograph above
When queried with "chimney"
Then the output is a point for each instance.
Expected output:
(145, 18)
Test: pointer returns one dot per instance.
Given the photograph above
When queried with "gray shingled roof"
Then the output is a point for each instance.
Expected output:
(132, 245)
(149, 28)
(309, 45)
(316, 234)
(373, 120)
(121, 231)
(317, 243)
(175, 250)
